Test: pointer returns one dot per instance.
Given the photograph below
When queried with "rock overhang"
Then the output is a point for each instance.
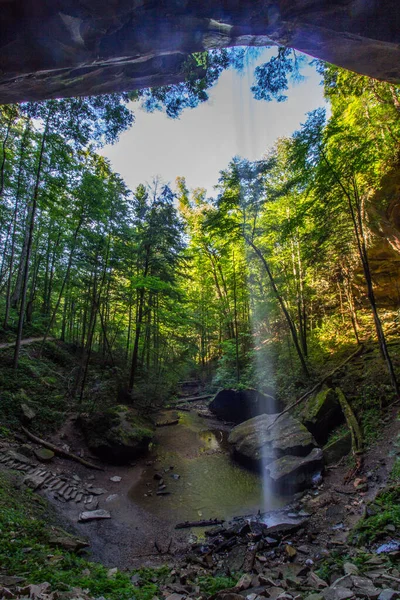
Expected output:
(52, 49)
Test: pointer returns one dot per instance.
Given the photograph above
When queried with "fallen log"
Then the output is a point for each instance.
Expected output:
(317, 385)
(195, 398)
(166, 423)
(355, 431)
(204, 523)
(60, 451)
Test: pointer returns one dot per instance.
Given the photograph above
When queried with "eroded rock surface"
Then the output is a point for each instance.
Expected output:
(283, 447)
(322, 413)
(69, 48)
(117, 435)
(237, 406)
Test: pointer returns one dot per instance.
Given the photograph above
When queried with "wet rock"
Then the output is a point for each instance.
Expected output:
(93, 504)
(112, 497)
(97, 491)
(281, 526)
(314, 596)
(389, 594)
(295, 472)
(94, 515)
(43, 454)
(322, 413)
(238, 406)
(117, 435)
(115, 479)
(263, 439)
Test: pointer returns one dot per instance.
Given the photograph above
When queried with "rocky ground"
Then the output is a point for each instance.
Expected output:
(302, 551)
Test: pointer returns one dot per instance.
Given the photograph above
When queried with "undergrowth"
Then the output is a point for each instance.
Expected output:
(25, 551)
(384, 511)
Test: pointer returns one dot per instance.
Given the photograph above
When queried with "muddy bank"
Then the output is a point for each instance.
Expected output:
(188, 475)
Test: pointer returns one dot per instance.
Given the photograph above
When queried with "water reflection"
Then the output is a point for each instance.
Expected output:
(210, 484)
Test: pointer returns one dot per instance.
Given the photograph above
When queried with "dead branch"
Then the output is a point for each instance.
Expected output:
(194, 398)
(204, 523)
(60, 451)
(318, 385)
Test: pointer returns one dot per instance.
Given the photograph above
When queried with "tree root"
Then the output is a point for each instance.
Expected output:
(60, 451)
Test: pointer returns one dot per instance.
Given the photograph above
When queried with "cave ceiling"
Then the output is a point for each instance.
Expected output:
(60, 48)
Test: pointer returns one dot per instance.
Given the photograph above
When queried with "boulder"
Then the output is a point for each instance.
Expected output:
(28, 414)
(295, 472)
(60, 539)
(263, 439)
(44, 454)
(117, 435)
(322, 413)
(335, 450)
(239, 405)
(283, 449)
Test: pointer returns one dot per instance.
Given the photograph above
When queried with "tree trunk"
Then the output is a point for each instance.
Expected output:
(282, 304)
(30, 240)
(139, 322)
(14, 224)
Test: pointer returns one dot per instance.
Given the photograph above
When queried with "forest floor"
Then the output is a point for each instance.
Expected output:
(138, 553)
(25, 342)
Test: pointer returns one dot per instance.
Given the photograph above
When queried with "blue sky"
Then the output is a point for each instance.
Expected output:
(203, 141)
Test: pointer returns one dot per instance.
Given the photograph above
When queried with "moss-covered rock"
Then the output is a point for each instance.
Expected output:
(337, 448)
(263, 441)
(322, 413)
(117, 435)
(44, 454)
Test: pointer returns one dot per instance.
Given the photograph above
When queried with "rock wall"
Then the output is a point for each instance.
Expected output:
(383, 211)
(56, 48)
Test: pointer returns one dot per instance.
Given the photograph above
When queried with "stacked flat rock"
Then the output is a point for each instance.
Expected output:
(63, 488)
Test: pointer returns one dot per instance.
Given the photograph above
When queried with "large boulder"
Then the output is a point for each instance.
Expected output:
(290, 473)
(240, 405)
(322, 414)
(337, 448)
(282, 449)
(117, 435)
